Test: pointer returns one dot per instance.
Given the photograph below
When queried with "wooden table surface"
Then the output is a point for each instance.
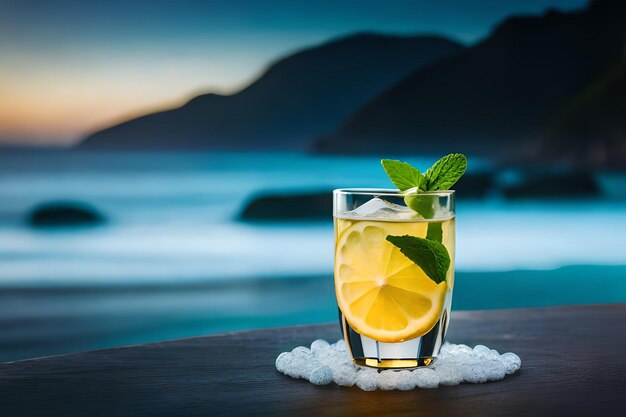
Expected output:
(572, 364)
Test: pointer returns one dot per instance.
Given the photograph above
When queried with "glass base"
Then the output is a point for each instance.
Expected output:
(393, 363)
(414, 353)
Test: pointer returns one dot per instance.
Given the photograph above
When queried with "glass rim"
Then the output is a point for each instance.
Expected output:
(393, 192)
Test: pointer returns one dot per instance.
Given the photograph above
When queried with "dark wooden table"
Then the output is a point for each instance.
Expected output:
(573, 363)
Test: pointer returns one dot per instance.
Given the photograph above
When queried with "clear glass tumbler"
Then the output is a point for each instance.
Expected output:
(393, 314)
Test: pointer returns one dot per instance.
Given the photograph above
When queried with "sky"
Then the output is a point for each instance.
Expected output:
(71, 67)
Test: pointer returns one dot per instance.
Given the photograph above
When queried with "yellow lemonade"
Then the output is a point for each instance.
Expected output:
(382, 294)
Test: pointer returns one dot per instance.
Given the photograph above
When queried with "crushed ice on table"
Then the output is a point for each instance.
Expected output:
(380, 209)
(324, 363)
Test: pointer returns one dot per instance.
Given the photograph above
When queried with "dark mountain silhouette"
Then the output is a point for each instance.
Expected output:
(297, 99)
(591, 131)
(497, 96)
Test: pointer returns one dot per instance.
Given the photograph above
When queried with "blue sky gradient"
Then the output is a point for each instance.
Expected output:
(69, 67)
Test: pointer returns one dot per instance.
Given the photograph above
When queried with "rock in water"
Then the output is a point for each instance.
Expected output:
(289, 207)
(555, 186)
(64, 214)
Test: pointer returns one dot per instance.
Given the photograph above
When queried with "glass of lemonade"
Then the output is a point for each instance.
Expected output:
(392, 313)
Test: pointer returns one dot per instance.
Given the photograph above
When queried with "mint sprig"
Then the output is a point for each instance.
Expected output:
(445, 172)
(435, 231)
(441, 176)
(429, 255)
(403, 175)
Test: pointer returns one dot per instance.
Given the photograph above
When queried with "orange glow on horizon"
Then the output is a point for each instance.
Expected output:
(65, 120)
(61, 103)
(65, 111)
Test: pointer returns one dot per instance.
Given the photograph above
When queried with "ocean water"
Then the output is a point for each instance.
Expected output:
(173, 260)
(173, 218)
(170, 217)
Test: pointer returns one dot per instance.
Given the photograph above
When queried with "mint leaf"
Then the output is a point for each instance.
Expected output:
(445, 172)
(429, 255)
(403, 175)
(423, 204)
(441, 176)
(435, 231)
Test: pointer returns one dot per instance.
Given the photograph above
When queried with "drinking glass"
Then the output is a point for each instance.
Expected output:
(391, 313)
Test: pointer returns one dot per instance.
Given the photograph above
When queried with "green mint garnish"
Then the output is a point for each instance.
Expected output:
(445, 172)
(429, 255)
(423, 204)
(403, 175)
(435, 231)
(441, 176)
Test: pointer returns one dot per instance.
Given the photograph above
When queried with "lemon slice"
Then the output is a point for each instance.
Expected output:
(382, 293)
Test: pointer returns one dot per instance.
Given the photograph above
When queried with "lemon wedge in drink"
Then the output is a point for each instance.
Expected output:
(383, 294)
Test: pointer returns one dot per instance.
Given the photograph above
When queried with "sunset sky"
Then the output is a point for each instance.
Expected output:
(69, 67)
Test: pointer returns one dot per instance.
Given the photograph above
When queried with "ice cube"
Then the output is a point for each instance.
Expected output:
(345, 375)
(369, 208)
(340, 345)
(388, 380)
(318, 346)
(325, 363)
(494, 369)
(395, 211)
(511, 362)
(481, 350)
(301, 351)
(377, 208)
(449, 373)
(283, 361)
(425, 378)
(405, 381)
(322, 375)
(366, 379)
(474, 373)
